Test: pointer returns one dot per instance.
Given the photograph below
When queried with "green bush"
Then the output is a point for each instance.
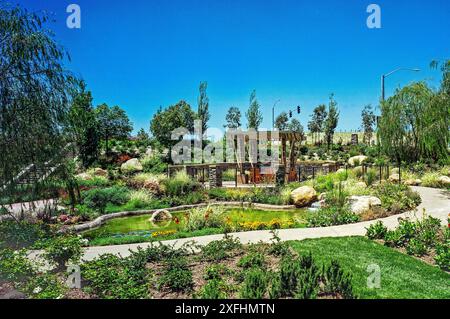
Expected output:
(220, 249)
(180, 184)
(376, 231)
(139, 199)
(154, 165)
(204, 217)
(214, 289)
(330, 216)
(62, 249)
(442, 257)
(255, 284)
(289, 270)
(177, 276)
(416, 247)
(112, 277)
(397, 197)
(336, 281)
(21, 234)
(99, 198)
(15, 266)
(45, 286)
(251, 260)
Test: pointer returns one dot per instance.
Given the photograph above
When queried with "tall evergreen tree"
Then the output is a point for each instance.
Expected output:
(203, 106)
(331, 121)
(254, 115)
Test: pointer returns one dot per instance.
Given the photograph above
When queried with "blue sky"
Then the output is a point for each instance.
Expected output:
(142, 54)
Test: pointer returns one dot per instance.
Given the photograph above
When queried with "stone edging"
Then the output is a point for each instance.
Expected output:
(99, 221)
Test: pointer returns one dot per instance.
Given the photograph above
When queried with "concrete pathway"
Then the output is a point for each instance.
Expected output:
(435, 201)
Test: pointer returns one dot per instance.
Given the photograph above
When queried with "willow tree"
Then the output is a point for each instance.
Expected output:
(35, 94)
(414, 124)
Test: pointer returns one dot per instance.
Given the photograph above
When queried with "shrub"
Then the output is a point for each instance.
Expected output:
(336, 281)
(251, 260)
(21, 234)
(112, 277)
(200, 218)
(220, 249)
(416, 247)
(431, 179)
(255, 284)
(45, 286)
(396, 197)
(214, 272)
(289, 269)
(277, 247)
(180, 184)
(177, 276)
(15, 266)
(330, 216)
(376, 231)
(370, 176)
(154, 165)
(308, 278)
(442, 257)
(62, 249)
(139, 199)
(213, 289)
(98, 198)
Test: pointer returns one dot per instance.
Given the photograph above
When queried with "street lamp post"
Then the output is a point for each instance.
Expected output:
(384, 76)
(273, 113)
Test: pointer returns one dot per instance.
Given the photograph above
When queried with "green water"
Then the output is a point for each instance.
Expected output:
(142, 224)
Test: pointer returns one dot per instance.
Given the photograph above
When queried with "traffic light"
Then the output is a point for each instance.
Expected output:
(298, 109)
(290, 114)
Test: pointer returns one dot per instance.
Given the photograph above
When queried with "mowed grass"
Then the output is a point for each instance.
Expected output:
(402, 276)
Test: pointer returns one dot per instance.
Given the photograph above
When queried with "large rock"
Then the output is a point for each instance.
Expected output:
(131, 166)
(160, 215)
(358, 158)
(100, 172)
(394, 178)
(361, 204)
(303, 196)
(413, 182)
(84, 177)
(444, 180)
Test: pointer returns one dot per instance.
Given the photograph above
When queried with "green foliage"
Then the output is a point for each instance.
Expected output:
(62, 249)
(220, 249)
(204, 217)
(203, 106)
(214, 289)
(396, 198)
(442, 257)
(331, 216)
(255, 284)
(180, 184)
(331, 121)
(233, 118)
(15, 265)
(368, 123)
(254, 115)
(20, 234)
(98, 198)
(336, 281)
(281, 122)
(45, 286)
(164, 122)
(252, 259)
(376, 231)
(308, 283)
(277, 247)
(154, 164)
(177, 276)
(416, 247)
(113, 277)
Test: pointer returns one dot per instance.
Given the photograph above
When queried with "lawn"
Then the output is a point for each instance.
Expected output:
(402, 276)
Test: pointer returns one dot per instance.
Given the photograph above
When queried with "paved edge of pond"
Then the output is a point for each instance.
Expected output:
(436, 202)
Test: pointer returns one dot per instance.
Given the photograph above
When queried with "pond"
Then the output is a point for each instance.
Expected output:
(248, 218)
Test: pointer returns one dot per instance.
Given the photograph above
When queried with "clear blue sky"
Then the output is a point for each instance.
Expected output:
(142, 54)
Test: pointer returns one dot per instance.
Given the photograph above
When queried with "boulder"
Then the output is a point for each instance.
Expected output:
(361, 204)
(358, 158)
(100, 172)
(149, 152)
(303, 196)
(84, 177)
(341, 170)
(361, 185)
(413, 182)
(160, 215)
(132, 165)
(444, 180)
(394, 178)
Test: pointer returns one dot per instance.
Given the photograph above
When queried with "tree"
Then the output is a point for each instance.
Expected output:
(35, 93)
(233, 118)
(203, 106)
(113, 123)
(83, 126)
(143, 137)
(281, 122)
(316, 124)
(331, 121)
(414, 124)
(164, 122)
(295, 126)
(368, 123)
(254, 115)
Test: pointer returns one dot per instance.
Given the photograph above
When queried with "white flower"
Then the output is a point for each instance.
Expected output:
(37, 290)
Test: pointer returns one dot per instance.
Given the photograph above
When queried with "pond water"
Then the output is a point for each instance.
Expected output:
(142, 226)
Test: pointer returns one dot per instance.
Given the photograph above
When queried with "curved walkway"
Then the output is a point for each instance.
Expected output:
(436, 203)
